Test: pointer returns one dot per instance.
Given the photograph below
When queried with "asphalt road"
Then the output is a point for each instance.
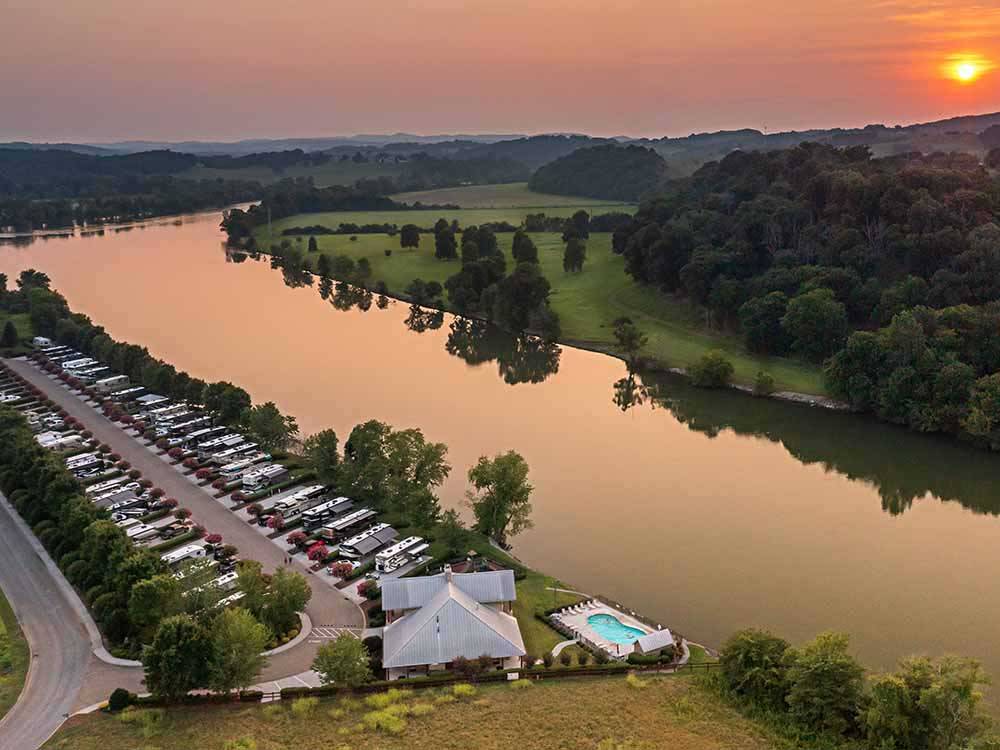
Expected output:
(327, 608)
(60, 645)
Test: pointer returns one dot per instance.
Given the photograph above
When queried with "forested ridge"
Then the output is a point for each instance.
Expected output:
(621, 173)
(886, 270)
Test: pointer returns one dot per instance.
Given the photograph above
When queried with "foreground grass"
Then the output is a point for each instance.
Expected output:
(16, 647)
(586, 714)
(587, 302)
(511, 195)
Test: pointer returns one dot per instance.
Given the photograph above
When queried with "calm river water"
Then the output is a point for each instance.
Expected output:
(707, 511)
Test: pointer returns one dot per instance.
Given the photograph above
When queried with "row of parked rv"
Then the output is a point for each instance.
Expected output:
(130, 505)
(352, 533)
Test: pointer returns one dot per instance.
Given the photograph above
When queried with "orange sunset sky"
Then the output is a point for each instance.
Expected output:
(115, 69)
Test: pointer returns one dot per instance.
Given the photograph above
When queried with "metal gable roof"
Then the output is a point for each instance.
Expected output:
(412, 593)
(451, 625)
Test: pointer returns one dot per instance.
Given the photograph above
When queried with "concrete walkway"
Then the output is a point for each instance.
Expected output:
(328, 607)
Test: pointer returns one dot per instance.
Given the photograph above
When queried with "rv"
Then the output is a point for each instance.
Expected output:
(315, 517)
(114, 383)
(128, 394)
(264, 477)
(226, 582)
(55, 351)
(336, 529)
(81, 363)
(40, 342)
(209, 447)
(151, 401)
(89, 376)
(368, 541)
(399, 554)
(187, 552)
(141, 531)
(236, 469)
(233, 453)
(56, 441)
(230, 600)
(81, 459)
(158, 414)
(190, 425)
(97, 489)
(191, 440)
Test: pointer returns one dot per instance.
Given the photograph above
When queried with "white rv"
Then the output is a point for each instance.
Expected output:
(114, 383)
(187, 552)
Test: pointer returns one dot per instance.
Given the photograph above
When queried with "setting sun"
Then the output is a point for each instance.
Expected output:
(967, 71)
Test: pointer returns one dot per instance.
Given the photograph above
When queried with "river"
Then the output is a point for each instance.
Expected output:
(707, 511)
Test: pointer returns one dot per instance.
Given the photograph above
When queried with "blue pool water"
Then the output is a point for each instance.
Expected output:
(611, 628)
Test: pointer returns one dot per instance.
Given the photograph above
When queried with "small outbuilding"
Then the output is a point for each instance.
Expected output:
(655, 642)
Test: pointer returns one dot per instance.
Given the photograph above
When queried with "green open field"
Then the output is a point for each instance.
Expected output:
(332, 173)
(13, 652)
(512, 195)
(587, 302)
(605, 713)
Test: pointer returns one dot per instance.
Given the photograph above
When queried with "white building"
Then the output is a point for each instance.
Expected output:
(433, 620)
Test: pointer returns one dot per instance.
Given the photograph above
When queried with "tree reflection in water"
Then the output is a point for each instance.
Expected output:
(520, 359)
(903, 466)
(420, 320)
(629, 393)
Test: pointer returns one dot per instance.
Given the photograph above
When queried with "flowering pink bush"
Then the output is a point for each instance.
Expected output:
(190, 463)
(341, 569)
(317, 552)
(169, 502)
(296, 538)
(238, 497)
(156, 493)
(276, 522)
(175, 452)
(213, 538)
(203, 473)
(219, 484)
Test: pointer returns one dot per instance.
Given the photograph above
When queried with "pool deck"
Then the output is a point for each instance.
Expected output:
(576, 619)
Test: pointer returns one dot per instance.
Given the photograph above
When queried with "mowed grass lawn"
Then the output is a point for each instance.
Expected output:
(674, 712)
(13, 650)
(587, 302)
(534, 596)
(510, 195)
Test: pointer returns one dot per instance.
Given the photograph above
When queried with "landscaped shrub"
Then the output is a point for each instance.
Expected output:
(145, 483)
(317, 552)
(162, 444)
(520, 684)
(219, 484)
(156, 493)
(169, 502)
(182, 513)
(548, 660)
(104, 448)
(565, 657)
(254, 510)
(213, 538)
(238, 497)
(123, 465)
(175, 452)
(583, 658)
(635, 683)
(134, 473)
(190, 463)
(120, 700)
(296, 538)
(203, 474)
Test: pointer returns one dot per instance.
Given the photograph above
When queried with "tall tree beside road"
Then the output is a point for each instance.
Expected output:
(343, 662)
(237, 643)
(501, 499)
(177, 661)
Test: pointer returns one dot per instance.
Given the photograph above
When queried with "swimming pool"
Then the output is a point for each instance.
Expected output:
(612, 629)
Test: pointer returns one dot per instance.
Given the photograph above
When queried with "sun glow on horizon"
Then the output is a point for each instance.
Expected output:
(967, 69)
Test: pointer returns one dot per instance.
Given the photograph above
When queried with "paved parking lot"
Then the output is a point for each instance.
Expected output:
(328, 606)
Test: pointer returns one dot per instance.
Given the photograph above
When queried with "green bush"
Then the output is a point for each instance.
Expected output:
(120, 700)
(763, 384)
(565, 657)
(713, 370)
(463, 690)
(548, 660)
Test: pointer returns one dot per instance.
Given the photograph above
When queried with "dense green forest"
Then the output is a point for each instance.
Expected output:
(887, 269)
(621, 173)
(50, 188)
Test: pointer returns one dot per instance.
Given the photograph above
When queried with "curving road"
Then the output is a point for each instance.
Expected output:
(61, 647)
(328, 607)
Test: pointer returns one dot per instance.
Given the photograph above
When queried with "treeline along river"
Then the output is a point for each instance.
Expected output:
(708, 511)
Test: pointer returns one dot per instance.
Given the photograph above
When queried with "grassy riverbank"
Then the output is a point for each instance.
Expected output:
(586, 714)
(587, 302)
(14, 657)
